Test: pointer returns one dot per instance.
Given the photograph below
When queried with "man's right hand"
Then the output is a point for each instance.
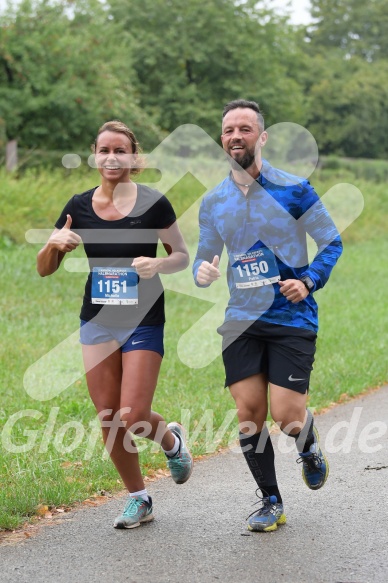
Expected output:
(64, 239)
(208, 272)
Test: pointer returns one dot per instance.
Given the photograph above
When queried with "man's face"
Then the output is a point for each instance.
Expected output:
(241, 136)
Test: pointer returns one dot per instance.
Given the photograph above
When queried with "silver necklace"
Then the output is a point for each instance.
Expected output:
(241, 184)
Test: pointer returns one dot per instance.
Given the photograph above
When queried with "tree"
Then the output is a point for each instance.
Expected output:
(348, 113)
(193, 57)
(62, 74)
(346, 77)
(356, 27)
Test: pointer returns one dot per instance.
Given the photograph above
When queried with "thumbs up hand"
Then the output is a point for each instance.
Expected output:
(69, 220)
(208, 272)
(64, 239)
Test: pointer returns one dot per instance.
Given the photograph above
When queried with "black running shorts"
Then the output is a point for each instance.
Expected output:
(284, 353)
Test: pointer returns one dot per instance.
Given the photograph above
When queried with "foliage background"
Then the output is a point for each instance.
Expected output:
(66, 66)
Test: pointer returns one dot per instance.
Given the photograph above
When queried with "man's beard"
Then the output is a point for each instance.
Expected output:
(244, 162)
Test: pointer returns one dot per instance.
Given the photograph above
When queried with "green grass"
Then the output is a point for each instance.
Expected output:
(352, 343)
(39, 313)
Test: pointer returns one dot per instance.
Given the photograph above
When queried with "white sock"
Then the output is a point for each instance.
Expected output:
(140, 494)
(175, 449)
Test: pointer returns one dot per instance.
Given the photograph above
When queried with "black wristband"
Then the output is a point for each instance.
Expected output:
(308, 283)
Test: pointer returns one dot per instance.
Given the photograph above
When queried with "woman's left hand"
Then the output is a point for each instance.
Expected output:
(146, 267)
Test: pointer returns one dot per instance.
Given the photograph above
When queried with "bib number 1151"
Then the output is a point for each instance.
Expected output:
(111, 287)
(115, 285)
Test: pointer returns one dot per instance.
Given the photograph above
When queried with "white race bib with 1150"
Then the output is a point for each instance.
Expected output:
(254, 268)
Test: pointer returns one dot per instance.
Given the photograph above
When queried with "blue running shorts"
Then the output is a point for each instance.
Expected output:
(140, 338)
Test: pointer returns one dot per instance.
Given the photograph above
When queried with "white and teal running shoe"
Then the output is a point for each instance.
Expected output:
(135, 512)
(181, 464)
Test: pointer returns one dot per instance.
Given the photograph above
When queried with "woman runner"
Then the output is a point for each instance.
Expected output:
(122, 315)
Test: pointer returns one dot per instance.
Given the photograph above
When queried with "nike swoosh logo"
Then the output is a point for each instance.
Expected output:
(137, 341)
(291, 378)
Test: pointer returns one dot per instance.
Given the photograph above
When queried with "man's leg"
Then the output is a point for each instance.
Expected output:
(291, 353)
(288, 410)
(250, 395)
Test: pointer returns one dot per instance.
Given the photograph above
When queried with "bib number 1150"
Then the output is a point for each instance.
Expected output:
(253, 269)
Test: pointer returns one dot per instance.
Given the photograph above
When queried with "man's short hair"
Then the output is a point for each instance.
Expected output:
(244, 103)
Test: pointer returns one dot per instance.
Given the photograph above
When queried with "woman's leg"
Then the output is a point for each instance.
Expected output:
(104, 378)
(122, 386)
(139, 380)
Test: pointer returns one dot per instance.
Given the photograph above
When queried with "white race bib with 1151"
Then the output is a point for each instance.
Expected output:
(115, 285)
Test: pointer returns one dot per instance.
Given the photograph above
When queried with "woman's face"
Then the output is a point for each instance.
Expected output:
(113, 156)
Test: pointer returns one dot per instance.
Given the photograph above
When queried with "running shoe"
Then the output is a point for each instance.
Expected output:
(267, 518)
(136, 511)
(315, 465)
(181, 464)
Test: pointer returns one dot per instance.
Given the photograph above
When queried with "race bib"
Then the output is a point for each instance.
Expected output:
(254, 268)
(115, 285)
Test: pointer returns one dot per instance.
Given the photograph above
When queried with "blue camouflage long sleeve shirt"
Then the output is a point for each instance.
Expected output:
(270, 223)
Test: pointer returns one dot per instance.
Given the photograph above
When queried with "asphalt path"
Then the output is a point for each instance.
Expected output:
(338, 534)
